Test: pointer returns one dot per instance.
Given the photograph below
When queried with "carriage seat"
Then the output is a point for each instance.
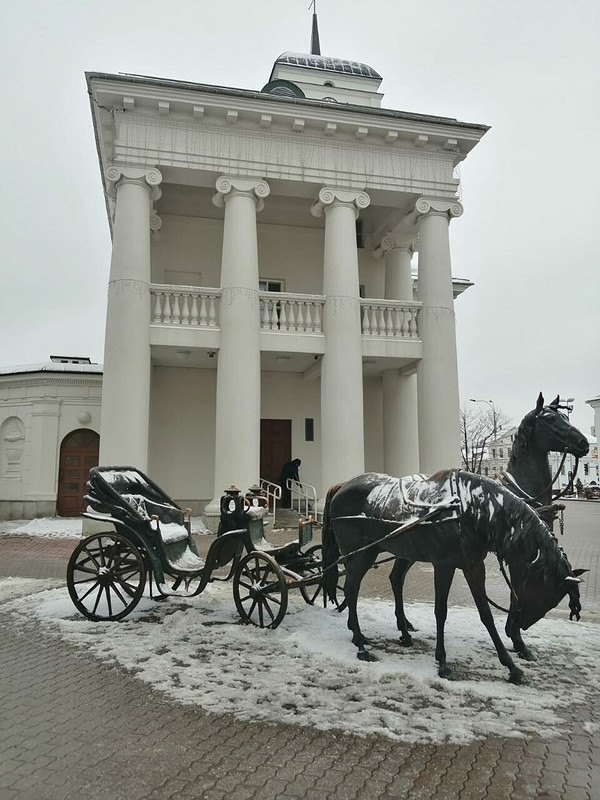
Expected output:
(171, 522)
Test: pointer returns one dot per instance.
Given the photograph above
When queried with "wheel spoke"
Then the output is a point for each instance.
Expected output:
(91, 589)
(106, 590)
(270, 613)
(118, 593)
(92, 558)
(97, 599)
(252, 607)
(260, 613)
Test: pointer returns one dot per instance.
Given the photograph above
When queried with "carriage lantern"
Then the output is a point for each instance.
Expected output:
(232, 507)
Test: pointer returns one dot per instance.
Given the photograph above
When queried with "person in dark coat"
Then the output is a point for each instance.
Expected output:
(289, 470)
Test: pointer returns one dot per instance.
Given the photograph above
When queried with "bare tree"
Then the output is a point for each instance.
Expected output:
(478, 428)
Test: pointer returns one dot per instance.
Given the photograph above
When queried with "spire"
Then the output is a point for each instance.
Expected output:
(315, 47)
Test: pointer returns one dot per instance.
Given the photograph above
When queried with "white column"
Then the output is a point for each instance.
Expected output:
(126, 380)
(342, 434)
(400, 426)
(237, 426)
(437, 372)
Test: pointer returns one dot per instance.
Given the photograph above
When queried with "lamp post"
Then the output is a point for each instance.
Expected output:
(490, 403)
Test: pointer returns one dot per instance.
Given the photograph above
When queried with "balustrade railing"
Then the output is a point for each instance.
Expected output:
(291, 313)
(185, 305)
(391, 318)
(280, 311)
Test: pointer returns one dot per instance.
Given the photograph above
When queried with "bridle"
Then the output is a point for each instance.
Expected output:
(508, 480)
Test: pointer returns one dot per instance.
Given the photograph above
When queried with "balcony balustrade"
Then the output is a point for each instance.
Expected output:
(281, 312)
(185, 305)
(390, 318)
(291, 313)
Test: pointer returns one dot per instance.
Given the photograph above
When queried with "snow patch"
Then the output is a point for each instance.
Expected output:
(306, 673)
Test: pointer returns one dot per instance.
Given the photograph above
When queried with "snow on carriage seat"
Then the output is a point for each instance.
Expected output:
(186, 561)
(172, 532)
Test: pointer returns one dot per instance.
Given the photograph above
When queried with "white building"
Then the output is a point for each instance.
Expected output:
(498, 453)
(261, 304)
(260, 301)
(49, 436)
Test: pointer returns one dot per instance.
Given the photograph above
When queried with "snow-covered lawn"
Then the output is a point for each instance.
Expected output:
(61, 527)
(306, 673)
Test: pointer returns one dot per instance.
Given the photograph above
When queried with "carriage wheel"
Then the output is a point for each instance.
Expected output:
(260, 591)
(313, 592)
(106, 576)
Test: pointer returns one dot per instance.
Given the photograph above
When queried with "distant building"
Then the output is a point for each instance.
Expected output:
(498, 454)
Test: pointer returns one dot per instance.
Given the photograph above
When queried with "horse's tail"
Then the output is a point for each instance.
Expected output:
(331, 551)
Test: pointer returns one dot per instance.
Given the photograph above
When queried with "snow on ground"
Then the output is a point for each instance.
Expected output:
(306, 673)
(61, 527)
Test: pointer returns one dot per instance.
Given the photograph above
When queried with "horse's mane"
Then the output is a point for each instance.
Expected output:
(527, 535)
(523, 435)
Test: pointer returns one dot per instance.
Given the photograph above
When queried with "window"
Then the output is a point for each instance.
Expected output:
(309, 429)
(501, 452)
(267, 285)
(586, 469)
(493, 452)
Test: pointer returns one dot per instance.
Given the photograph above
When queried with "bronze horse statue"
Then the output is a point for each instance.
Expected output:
(543, 430)
(451, 520)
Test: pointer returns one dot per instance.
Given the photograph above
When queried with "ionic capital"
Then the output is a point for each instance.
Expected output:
(227, 186)
(329, 197)
(433, 205)
(149, 178)
(394, 242)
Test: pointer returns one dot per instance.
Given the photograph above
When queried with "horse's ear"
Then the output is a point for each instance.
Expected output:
(556, 401)
(578, 572)
(540, 403)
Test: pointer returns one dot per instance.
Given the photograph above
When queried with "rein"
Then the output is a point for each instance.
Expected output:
(510, 586)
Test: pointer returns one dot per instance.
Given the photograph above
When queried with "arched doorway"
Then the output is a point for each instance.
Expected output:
(78, 452)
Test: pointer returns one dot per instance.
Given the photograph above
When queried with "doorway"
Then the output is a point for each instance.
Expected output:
(275, 447)
(78, 453)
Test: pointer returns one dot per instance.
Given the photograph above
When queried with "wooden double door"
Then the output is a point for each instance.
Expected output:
(78, 452)
(275, 447)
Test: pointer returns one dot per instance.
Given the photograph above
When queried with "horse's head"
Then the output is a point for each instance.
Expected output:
(552, 431)
(542, 581)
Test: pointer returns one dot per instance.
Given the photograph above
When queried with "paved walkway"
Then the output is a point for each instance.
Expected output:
(71, 727)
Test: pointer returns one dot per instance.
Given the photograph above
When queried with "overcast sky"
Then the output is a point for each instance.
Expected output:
(529, 237)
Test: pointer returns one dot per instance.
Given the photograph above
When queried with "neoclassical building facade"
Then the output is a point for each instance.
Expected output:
(261, 302)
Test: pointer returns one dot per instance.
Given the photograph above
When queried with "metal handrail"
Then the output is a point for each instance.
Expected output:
(273, 492)
(303, 493)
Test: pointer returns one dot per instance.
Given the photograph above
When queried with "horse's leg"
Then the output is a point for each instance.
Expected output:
(397, 576)
(514, 632)
(443, 577)
(356, 568)
(475, 576)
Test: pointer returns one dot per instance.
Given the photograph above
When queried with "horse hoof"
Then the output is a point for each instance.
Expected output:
(526, 654)
(406, 640)
(444, 672)
(364, 655)
(517, 676)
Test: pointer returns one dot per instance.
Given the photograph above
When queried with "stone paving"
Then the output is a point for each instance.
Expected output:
(71, 727)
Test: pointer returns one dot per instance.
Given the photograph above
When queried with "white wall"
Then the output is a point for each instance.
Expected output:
(286, 252)
(182, 433)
